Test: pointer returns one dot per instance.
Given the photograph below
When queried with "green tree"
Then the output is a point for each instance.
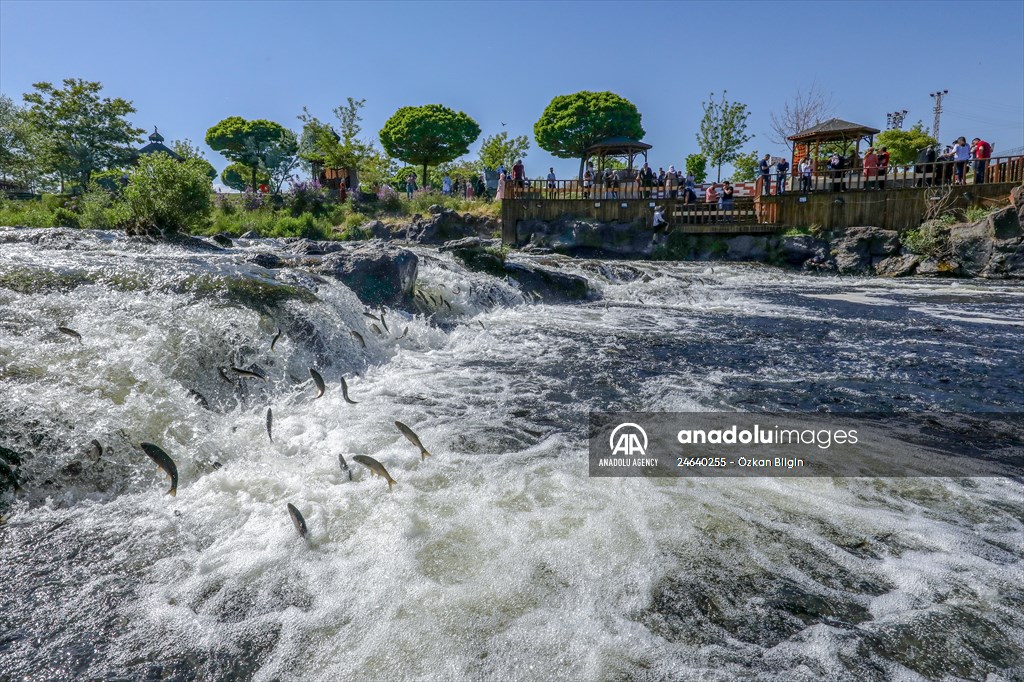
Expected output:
(723, 131)
(77, 132)
(321, 143)
(903, 145)
(167, 195)
(745, 167)
(237, 177)
(186, 150)
(500, 150)
(572, 123)
(428, 135)
(16, 162)
(256, 144)
(698, 165)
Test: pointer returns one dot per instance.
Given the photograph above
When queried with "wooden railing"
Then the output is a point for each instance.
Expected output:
(936, 173)
(996, 169)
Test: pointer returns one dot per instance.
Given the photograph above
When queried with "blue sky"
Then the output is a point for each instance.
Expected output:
(186, 65)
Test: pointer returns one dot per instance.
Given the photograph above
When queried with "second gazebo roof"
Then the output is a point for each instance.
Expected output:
(833, 129)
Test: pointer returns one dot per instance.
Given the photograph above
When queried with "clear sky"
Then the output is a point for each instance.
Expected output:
(186, 65)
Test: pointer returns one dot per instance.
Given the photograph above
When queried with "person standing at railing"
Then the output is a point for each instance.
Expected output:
(961, 154)
(552, 183)
(806, 173)
(982, 152)
(500, 194)
(782, 167)
(588, 180)
(645, 178)
(924, 167)
(766, 174)
(883, 166)
(725, 200)
(870, 169)
(672, 182)
(518, 173)
(835, 166)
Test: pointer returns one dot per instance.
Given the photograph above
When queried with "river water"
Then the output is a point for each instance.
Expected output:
(497, 557)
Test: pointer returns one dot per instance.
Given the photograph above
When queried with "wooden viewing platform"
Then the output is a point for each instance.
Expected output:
(842, 199)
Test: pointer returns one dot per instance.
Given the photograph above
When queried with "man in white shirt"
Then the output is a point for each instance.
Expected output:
(806, 171)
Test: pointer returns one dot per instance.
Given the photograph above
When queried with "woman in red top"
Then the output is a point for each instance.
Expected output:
(883, 166)
(870, 168)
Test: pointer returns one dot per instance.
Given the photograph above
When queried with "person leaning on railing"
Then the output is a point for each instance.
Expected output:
(806, 172)
(961, 154)
(982, 152)
(645, 178)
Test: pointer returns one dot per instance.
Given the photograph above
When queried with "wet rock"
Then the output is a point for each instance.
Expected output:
(478, 254)
(223, 239)
(938, 267)
(799, 249)
(575, 237)
(548, 283)
(379, 274)
(897, 266)
(251, 234)
(991, 247)
(376, 229)
(442, 225)
(270, 261)
(857, 248)
(746, 247)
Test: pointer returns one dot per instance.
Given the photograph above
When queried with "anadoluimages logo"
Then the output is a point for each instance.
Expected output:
(631, 441)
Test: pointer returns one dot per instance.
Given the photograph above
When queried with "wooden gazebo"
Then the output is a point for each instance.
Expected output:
(808, 142)
(156, 146)
(615, 147)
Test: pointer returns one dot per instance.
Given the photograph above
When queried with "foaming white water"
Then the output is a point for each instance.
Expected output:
(496, 557)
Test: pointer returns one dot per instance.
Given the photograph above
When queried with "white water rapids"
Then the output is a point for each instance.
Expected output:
(496, 558)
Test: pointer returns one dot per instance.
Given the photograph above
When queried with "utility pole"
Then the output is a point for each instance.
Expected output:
(894, 120)
(937, 96)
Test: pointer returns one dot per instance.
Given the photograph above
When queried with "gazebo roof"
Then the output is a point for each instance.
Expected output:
(614, 146)
(156, 145)
(833, 129)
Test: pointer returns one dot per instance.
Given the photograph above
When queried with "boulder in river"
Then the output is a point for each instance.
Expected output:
(379, 274)
(857, 249)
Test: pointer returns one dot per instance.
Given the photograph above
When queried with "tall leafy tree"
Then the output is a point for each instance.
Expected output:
(746, 166)
(186, 150)
(501, 150)
(903, 145)
(322, 143)
(78, 132)
(723, 131)
(256, 144)
(428, 135)
(237, 177)
(698, 165)
(16, 162)
(572, 123)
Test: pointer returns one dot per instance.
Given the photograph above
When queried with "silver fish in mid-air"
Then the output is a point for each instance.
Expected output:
(297, 520)
(376, 468)
(359, 338)
(163, 461)
(376, 330)
(273, 342)
(199, 398)
(413, 438)
(223, 372)
(95, 450)
(384, 323)
(404, 334)
(250, 374)
(319, 381)
(344, 466)
(270, 424)
(371, 316)
(68, 331)
(344, 393)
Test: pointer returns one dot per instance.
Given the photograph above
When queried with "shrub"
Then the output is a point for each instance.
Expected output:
(64, 217)
(975, 213)
(931, 239)
(97, 211)
(167, 195)
(307, 197)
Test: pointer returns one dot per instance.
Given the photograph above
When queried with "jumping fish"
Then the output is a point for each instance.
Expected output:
(199, 398)
(163, 460)
(273, 341)
(344, 466)
(447, 304)
(344, 393)
(376, 329)
(270, 424)
(248, 373)
(95, 450)
(481, 325)
(371, 316)
(297, 520)
(223, 371)
(404, 334)
(376, 468)
(319, 381)
(413, 438)
(359, 338)
(384, 323)
(68, 331)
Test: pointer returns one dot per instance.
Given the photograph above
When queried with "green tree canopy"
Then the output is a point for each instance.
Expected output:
(77, 132)
(698, 165)
(186, 150)
(500, 150)
(237, 177)
(16, 162)
(428, 135)
(903, 145)
(746, 166)
(572, 123)
(167, 195)
(723, 131)
(256, 144)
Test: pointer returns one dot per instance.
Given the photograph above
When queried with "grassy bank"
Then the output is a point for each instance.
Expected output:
(236, 214)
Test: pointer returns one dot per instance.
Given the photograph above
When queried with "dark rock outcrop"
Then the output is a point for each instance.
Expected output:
(992, 247)
(798, 250)
(575, 237)
(897, 266)
(858, 249)
(548, 283)
(445, 225)
(379, 274)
